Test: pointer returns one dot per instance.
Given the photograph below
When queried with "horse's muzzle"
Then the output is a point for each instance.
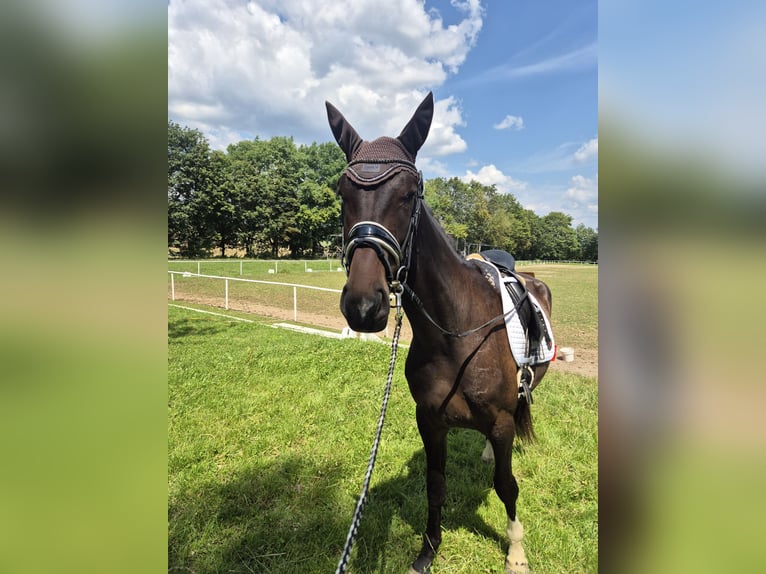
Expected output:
(367, 314)
(364, 300)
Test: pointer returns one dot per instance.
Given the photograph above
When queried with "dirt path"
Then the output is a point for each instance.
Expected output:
(585, 360)
(585, 363)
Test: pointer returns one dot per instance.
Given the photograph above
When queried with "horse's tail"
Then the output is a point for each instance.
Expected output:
(522, 418)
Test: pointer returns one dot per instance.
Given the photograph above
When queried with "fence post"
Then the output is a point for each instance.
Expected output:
(295, 304)
(172, 287)
(226, 302)
(240, 267)
(198, 271)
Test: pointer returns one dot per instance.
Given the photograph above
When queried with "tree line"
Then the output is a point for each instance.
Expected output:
(274, 198)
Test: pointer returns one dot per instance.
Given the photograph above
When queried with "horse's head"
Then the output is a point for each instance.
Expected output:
(381, 191)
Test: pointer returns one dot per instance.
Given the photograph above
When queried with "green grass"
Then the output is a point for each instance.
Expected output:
(257, 268)
(268, 438)
(574, 289)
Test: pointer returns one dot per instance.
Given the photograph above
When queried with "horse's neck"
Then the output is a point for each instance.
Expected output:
(438, 274)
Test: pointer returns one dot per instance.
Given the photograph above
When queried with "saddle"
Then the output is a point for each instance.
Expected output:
(503, 260)
(529, 332)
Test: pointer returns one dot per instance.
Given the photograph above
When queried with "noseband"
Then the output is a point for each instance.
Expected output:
(375, 236)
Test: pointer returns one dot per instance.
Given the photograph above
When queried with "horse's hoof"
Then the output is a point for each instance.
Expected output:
(516, 561)
(517, 568)
(419, 569)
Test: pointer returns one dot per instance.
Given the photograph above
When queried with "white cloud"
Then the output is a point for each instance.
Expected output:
(581, 58)
(266, 67)
(515, 123)
(587, 151)
(490, 175)
(433, 167)
(583, 194)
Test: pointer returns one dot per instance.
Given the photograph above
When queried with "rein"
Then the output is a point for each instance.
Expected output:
(343, 563)
(458, 335)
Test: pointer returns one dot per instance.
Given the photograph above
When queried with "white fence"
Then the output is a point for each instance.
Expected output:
(309, 265)
(226, 281)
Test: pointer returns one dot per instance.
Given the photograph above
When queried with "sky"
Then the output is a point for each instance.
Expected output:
(515, 83)
(689, 77)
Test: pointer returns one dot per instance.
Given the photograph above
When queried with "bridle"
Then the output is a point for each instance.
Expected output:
(375, 236)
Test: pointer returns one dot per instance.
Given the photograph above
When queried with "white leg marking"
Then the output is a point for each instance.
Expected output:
(488, 455)
(516, 561)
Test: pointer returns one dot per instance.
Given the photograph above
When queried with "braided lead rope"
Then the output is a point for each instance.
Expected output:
(343, 563)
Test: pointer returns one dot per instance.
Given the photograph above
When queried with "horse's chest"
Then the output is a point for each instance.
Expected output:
(457, 391)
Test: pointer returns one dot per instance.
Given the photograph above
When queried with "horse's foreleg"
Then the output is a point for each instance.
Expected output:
(434, 435)
(508, 491)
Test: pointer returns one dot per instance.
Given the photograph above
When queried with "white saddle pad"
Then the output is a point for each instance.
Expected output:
(517, 338)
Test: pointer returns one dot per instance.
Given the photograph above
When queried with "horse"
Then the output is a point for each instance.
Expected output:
(460, 369)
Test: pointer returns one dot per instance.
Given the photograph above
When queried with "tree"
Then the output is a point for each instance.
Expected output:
(279, 184)
(223, 212)
(448, 201)
(556, 240)
(323, 163)
(588, 242)
(267, 195)
(515, 233)
(478, 218)
(246, 163)
(461, 208)
(529, 229)
(191, 174)
(318, 217)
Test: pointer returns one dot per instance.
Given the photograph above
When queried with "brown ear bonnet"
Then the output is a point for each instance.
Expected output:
(376, 161)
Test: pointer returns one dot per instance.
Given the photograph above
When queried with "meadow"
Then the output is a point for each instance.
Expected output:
(269, 434)
(574, 288)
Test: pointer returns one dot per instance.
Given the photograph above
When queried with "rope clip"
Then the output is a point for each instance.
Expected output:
(395, 297)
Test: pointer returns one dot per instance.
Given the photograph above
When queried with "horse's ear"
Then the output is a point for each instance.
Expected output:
(344, 133)
(415, 132)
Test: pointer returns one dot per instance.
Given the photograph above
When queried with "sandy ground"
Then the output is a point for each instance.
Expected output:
(585, 360)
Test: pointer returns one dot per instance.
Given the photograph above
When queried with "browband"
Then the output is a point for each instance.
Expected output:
(373, 172)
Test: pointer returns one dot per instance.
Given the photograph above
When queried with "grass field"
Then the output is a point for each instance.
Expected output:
(268, 438)
(574, 288)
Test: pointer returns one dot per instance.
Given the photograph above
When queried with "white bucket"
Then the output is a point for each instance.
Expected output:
(567, 354)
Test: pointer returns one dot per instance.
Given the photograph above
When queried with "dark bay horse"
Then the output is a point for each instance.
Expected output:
(392, 243)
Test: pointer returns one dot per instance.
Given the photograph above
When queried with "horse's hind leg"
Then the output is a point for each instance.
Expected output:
(488, 454)
(434, 435)
(508, 491)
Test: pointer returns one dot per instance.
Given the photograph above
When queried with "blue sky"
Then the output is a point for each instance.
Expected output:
(515, 83)
(688, 78)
